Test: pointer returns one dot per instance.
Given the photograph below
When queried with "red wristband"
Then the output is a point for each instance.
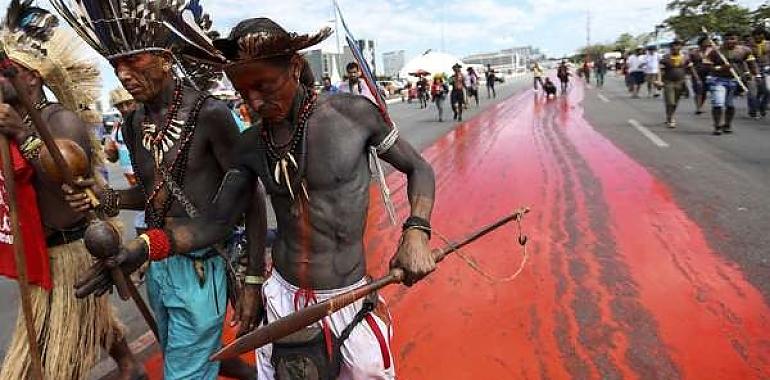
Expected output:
(160, 244)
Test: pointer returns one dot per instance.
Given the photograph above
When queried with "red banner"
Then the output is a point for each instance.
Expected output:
(36, 252)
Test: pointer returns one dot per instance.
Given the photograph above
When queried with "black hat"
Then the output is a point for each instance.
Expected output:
(457, 66)
(259, 38)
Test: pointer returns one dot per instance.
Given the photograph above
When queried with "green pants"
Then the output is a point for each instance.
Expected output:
(672, 91)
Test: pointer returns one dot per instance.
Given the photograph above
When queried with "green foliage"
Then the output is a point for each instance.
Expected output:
(715, 15)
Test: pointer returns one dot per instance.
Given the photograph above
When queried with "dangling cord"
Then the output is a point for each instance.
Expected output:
(522, 240)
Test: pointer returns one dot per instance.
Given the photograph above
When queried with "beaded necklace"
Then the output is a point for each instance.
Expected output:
(160, 141)
(155, 216)
(27, 121)
(283, 157)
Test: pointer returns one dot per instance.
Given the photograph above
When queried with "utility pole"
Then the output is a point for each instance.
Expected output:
(588, 28)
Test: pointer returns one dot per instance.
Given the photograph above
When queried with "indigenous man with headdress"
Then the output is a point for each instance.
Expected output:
(70, 331)
(311, 152)
(181, 140)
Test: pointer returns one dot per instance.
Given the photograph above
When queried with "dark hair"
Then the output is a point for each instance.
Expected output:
(351, 66)
(702, 39)
(759, 30)
(325, 78)
(731, 33)
(306, 76)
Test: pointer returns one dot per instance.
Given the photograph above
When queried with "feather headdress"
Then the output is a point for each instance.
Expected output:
(117, 28)
(31, 38)
(261, 38)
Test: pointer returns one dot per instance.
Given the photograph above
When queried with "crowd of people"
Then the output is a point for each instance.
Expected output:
(738, 66)
(462, 89)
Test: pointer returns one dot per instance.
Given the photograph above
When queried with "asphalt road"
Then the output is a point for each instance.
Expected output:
(721, 182)
(419, 126)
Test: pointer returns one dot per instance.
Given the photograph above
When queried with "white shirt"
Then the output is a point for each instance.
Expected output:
(635, 63)
(360, 89)
(652, 62)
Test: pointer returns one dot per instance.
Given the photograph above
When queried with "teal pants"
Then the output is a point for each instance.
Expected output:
(190, 316)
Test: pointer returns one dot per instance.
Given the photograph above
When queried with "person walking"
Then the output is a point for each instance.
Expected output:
(761, 50)
(729, 61)
(472, 84)
(491, 79)
(636, 65)
(600, 67)
(537, 74)
(563, 74)
(652, 70)
(457, 97)
(673, 73)
(697, 56)
(438, 92)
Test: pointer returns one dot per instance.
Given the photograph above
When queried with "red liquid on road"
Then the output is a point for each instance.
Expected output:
(620, 283)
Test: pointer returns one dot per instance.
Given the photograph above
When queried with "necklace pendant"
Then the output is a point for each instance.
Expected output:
(304, 190)
(277, 172)
(285, 170)
(292, 160)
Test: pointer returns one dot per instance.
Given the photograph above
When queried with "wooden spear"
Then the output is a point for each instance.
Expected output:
(296, 321)
(19, 257)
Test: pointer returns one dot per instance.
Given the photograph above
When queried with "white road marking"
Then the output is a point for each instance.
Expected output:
(648, 134)
(603, 98)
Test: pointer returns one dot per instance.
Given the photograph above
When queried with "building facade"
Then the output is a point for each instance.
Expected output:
(506, 60)
(393, 62)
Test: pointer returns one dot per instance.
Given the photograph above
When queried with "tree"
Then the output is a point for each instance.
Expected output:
(625, 42)
(715, 15)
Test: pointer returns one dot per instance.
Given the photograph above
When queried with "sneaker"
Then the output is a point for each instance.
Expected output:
(717, 132)
(699, 112)
(727, 129)
(671, 124)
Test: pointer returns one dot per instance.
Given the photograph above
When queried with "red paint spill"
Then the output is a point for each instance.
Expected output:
(621, 281)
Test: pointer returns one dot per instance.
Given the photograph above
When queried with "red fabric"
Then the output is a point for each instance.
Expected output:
(380, 338)
(160, 245)
(309, 296)
(35, 249)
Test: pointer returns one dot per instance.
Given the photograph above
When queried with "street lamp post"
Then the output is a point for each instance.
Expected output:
(658, 29)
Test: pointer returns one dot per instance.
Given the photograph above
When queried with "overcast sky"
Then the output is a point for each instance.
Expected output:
(467, 26)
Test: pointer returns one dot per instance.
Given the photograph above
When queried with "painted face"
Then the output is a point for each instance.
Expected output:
(31, 78)
(268, 88)
(143, 74)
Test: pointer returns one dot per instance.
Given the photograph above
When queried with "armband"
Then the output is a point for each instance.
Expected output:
(388, 142)
(158, 244)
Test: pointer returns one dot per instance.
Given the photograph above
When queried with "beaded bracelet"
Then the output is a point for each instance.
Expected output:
(30, 148)
(254, 280)
(158, 244)
(110, 202)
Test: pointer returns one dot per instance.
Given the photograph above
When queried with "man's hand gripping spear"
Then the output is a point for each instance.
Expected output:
(314, 313)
